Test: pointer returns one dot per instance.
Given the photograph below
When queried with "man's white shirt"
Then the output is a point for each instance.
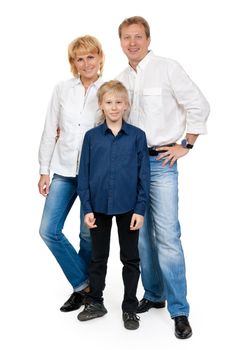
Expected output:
(165, 102)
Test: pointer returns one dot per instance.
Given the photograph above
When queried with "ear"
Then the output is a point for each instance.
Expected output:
(126, 106)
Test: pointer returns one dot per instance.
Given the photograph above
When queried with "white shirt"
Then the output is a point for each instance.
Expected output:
(164, 100)
(74, 112)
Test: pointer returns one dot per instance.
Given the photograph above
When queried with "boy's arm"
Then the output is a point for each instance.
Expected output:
(143, 175)
(83, 177)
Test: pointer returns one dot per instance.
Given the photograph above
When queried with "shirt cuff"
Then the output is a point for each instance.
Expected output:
(44, 170)
(140, 209)
(87, 208)
(198, 130)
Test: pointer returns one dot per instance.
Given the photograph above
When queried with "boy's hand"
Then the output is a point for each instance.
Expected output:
(89, 220)
(136, 222)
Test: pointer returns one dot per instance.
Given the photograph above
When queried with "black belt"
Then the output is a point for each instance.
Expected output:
(152, 150)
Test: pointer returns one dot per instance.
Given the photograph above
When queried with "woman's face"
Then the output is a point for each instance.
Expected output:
(88, 66)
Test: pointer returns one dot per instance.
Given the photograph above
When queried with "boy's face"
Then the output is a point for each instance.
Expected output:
(114, 106)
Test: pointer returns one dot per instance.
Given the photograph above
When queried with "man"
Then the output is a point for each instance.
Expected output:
(165, 103)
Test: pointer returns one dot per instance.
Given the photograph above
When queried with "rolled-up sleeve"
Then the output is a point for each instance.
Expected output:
(189, 96)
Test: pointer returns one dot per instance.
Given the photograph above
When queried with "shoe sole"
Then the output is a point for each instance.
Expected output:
(131, 329)
(88, 319)
(73, 308)
(186, 337)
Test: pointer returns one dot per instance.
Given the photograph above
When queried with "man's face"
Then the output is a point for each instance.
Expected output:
(134, 43)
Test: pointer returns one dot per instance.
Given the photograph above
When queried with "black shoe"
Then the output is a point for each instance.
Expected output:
(92, 310)
(145, 305)
(131, 320)
(74, 302)
(182, 327)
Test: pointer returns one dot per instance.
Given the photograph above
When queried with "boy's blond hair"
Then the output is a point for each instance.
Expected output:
(114, 87)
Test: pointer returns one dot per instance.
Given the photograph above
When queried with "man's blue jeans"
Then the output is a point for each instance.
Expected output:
(62, 194)
(160, 249)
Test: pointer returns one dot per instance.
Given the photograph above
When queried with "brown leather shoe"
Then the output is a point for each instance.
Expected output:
(145, 305)
(74, 302)
(183, 329)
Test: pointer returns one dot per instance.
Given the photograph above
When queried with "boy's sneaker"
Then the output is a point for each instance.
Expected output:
(92, 310)
(131, 320)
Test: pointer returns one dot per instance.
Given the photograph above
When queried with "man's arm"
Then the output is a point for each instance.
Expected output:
(190, 98)
(196, 107)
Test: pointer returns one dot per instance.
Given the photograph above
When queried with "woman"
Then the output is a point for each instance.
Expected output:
(72, 110)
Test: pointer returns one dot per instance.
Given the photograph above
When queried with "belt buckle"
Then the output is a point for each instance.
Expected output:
(152, 151)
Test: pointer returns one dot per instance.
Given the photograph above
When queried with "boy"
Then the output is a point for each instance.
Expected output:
(114, 181)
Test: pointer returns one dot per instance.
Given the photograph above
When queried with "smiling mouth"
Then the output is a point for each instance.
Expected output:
(133, 50)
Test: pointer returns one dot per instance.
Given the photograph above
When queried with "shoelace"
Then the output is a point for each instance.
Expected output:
(131, 316)
(90, 306)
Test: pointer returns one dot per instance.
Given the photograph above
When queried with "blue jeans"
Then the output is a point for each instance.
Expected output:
(160, 249)
(62, 194)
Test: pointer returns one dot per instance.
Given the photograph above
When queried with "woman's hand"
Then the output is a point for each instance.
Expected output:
(43, 185)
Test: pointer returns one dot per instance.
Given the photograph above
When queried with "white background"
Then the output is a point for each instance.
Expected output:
(34, 36)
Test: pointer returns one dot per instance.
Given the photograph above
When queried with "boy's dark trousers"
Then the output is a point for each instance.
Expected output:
(128, 254)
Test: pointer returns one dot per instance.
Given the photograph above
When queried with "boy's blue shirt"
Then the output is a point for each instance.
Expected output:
(114, 173)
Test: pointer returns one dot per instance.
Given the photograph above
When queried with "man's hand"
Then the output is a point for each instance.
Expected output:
(136, 222)
(172, 154)
(43, 185)
(89, 220)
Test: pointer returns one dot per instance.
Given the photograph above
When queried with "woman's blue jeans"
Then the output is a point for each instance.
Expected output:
(160, 249)
(75, 265)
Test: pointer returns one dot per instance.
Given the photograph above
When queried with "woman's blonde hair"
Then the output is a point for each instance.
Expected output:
(117, 88)
(84, 45)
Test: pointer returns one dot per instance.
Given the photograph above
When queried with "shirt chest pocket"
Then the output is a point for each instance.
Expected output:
(152, 99)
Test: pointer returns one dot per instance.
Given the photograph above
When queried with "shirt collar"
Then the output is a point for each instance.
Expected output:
(97, 83)
(124, 128)
(143, 63)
